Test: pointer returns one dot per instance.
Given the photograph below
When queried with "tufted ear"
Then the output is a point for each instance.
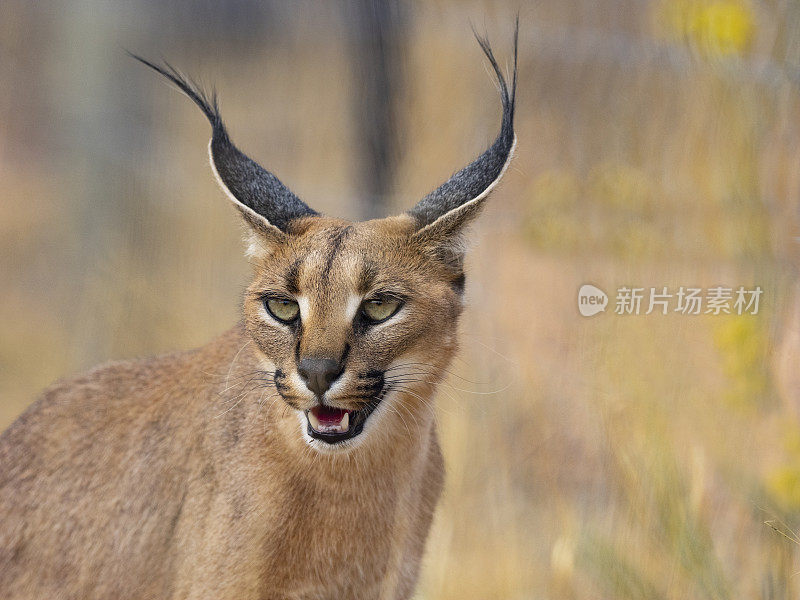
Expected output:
(266, 204)
(441, 215)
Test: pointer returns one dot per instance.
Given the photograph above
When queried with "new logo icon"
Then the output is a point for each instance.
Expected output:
(591, 300)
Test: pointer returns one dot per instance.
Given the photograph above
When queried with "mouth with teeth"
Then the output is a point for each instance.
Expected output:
(334, 425)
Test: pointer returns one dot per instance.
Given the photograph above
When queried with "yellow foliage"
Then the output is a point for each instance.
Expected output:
(783, 485)
(615, 192)
(551, 221)
(555, 189)
(742, 342)
(715, 28)
(622, 186)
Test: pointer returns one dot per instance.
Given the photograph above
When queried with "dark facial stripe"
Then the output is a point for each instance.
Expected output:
(299, 336)
(336, 242)
(293, 276)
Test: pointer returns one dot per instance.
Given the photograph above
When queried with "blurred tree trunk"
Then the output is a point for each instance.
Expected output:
(378, 48)
(92, 121)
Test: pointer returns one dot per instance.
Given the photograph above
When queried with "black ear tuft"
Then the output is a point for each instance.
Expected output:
(476, 180)
(244, 180)
(209, 106)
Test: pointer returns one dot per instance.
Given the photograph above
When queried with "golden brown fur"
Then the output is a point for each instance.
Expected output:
(184, 477)
(204, 474)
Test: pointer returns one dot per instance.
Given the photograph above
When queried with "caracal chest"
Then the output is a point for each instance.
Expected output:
(320, 539)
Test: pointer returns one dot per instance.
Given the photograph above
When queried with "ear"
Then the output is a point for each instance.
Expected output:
(267, 205)
(261, 235)
(442, 215)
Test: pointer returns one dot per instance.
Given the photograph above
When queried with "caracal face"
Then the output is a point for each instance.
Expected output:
(354, 322)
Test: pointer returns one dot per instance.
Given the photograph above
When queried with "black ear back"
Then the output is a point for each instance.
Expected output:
(259, 193)
(244, 180)
(474, 182)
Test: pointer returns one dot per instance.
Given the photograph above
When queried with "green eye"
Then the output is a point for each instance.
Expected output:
(381, 308)
(282, 309)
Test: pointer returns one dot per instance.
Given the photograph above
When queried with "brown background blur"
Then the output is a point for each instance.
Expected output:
(643, 456)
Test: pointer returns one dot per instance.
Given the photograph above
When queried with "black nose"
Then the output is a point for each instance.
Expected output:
(319, 373)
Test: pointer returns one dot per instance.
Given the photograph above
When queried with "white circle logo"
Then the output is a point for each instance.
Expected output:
(591, 300)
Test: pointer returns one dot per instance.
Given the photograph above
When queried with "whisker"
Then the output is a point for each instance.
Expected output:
(236, 356)
(414, 377)
(435, 369)
(427, 401)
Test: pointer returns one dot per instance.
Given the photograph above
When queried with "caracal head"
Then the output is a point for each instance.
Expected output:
(354, 323)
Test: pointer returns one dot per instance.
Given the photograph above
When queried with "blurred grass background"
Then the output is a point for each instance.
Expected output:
(611, 457)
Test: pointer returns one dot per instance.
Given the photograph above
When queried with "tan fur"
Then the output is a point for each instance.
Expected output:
(188, 476)
(199, 475)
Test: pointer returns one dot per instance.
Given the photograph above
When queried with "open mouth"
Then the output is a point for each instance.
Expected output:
(334, 425)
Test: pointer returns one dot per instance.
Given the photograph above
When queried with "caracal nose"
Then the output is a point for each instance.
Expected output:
(319, 373)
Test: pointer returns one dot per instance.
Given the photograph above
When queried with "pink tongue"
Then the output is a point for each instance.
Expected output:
(328, 415)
